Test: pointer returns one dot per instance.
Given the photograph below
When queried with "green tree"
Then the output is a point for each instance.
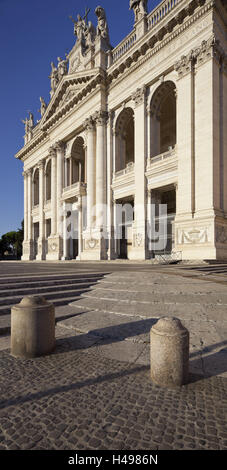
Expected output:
(12, 242)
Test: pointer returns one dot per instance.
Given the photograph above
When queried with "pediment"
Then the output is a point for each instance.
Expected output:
(68, 89)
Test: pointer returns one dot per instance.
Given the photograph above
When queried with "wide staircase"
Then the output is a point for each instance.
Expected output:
(60, 289)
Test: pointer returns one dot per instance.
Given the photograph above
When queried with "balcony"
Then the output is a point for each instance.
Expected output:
(162, 169)
(74, 191)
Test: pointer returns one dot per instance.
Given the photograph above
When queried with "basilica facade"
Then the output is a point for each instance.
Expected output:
(142, 126)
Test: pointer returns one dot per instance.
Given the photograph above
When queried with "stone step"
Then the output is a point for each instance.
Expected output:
(156, 287)
(78, 287)
(147, 296)
(156, 309)
(12, 300)
(51, 278)
(62, 311)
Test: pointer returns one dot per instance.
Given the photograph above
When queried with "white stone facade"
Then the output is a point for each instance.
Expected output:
(142, 124)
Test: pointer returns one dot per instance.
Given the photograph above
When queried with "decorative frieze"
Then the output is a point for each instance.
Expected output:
(193, 236)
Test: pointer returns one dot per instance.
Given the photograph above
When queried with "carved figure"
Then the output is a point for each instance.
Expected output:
(31, 121)
(139, 7)
(53, 78)
(89, 34)
(26, 125)
(43, 106)
(102, 28)
(79, 28)
(62, 68)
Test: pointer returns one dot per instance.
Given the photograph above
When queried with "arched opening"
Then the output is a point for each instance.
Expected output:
(124, 143)
(163, 119)
(36, 188)
(78, 161)
(48, 181)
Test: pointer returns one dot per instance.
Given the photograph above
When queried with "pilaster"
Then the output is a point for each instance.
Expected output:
(139, 226)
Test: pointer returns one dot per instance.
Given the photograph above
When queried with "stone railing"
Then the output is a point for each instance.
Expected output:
(163, 156)
(160, 12)
(76, 187)
(124, 46)
(129, 168)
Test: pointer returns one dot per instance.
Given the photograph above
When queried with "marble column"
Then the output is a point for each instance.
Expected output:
(64, 234)
(25, 174)
(91, 173)
(53, 192)
(28, 242)
(139, 232)
(60, 149)
(110, 154)
(100, 118)
(41, 241)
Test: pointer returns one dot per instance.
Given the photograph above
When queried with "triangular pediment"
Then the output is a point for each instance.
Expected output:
(67, 91)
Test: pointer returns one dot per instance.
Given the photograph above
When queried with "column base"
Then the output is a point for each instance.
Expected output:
(201, 238)
(41, 255)
(94, 246)
(28, 251)
(54, 248)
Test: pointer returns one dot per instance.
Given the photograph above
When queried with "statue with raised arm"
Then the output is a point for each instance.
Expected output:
(26, 125)
(139, 7)
(43, 106)
(62, 68)
(102, 28)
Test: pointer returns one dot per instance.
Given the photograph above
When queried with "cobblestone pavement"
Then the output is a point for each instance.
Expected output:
(95, 392)
(76, 399)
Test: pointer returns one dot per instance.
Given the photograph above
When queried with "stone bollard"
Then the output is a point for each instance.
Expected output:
(169, 352)
(32, 327)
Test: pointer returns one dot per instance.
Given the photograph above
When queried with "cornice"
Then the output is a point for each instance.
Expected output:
(130, 61)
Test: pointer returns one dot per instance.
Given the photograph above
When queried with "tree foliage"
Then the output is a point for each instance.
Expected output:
(11, 243)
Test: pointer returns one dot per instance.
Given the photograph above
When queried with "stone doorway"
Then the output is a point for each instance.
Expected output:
(125, 217)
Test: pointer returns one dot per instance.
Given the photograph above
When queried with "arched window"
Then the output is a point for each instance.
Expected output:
(36, 187)
(78, 161)
(124, 135)
(163, 119)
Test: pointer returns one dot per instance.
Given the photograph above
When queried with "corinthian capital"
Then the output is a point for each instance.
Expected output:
(59, 146)
(89, 124)
(185, 64)
(52, 151)
(210, 49)
(139, 96)
(100, 117)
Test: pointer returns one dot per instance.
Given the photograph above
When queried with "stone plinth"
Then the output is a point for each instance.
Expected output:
(169, 352)
(32, 327)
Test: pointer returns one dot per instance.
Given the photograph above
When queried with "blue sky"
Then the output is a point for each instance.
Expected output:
(32, 35)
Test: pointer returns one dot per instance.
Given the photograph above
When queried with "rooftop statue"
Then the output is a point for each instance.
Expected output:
(53, 78)
(28, 123)
(102, 28)
(62, 68)
(43, 106)
(139, 7)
